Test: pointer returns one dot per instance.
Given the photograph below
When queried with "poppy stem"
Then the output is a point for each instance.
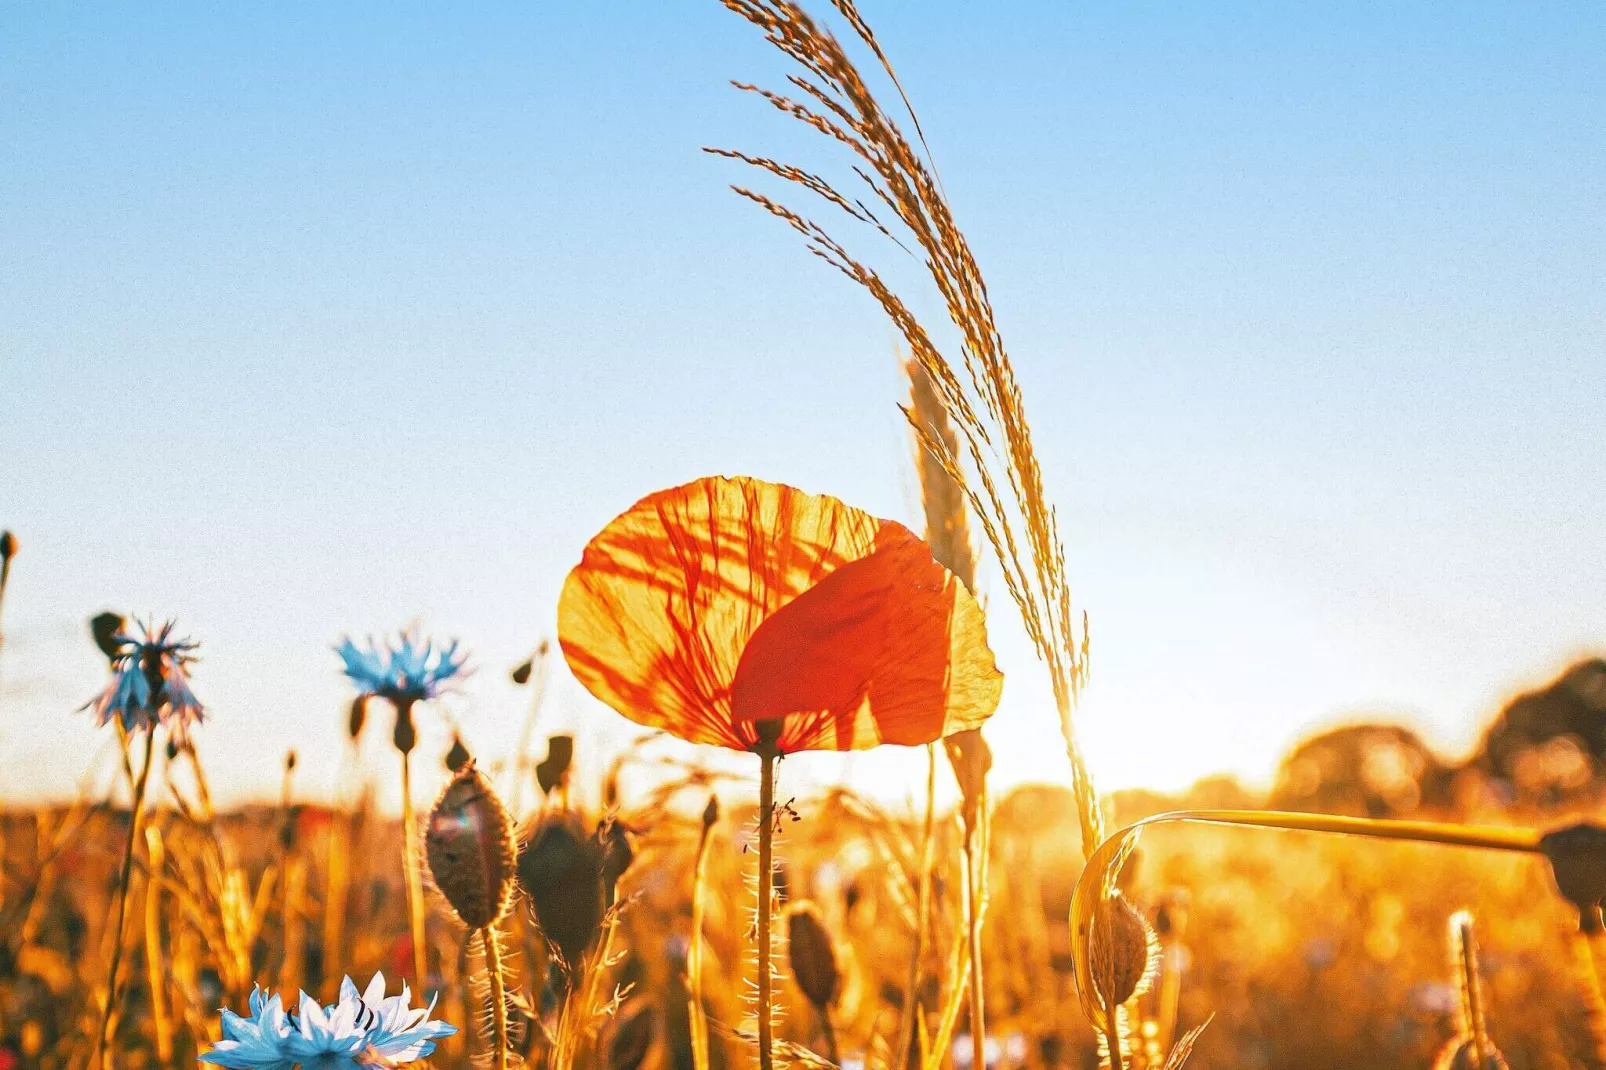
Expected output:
(696, 1018)
(493, 966)
(415, 880)
(766, 864)
(102, 1037)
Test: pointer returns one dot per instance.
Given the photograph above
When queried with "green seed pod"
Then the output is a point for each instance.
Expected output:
(1125, 953)
(813, 959)
(560, 870)
(469, 844)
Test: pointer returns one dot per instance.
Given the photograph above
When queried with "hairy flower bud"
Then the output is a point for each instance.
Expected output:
(1125, 953)
(813, 959)
(1577, 857)
(560, 870)
(469, 844)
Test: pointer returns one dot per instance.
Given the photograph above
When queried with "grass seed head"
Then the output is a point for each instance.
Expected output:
(813, 959)
(1125, 952)
(470, 849)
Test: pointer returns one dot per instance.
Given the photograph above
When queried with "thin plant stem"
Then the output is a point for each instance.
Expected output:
(415, 880)
(911, 1000)
(1589, 973)
(973, 920)
(157, 977)
(766, 862)
(493, 967)
(102, 1040)
(828, 1027)
(696, 1019)
(1112, 1038)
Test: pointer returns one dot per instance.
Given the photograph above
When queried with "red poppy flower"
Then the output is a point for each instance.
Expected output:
(712, 607)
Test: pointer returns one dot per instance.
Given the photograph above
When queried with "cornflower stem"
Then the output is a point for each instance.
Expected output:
(911, 1000)
(415, 880)
(102, 1050)
(766, 881)
(493, 967)
(157, 977)
(695, 1018)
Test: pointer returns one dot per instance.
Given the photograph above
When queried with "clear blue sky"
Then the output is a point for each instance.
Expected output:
(317, 318)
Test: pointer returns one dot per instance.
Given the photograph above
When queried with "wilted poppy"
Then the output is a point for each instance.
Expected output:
(713, 607)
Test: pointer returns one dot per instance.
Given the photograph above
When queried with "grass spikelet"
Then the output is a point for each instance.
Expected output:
(991, 457)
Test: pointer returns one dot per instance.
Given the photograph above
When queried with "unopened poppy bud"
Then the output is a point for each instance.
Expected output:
(404, 735)
(1124, 951)
(813, 960)
(632, 1039)
(617, 855)
(711, 812)
(458, 756)
(8, 546)
(560, 870)
(470, 849)
(521, 672)
(553, 770)
(357, 717)
(1461, 1053)
(107, 628)
(1577, 857)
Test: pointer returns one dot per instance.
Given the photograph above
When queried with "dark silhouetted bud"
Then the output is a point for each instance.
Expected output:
(1124, 951)
(560, 870)
(469, 844)
(107, 628)
(521, 672)
(632, 1038)
(8, 546)
(458, 756)
(813, 960)
(1577, 857)
(711, 812)
(172, 748)
(617, 854)
(405, 735)
(1171, 918)
(553, 771)
(357, 717)
(290, 761)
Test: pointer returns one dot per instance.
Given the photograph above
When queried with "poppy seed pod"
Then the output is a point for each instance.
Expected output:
(632, 1038)
(8, 546)
(553, 770)
(1461, 1053)
(458, 756)
(1577, 857)
(1124, 951)
(813, 960)
(469, 844)
(560, 870)
(106, 628)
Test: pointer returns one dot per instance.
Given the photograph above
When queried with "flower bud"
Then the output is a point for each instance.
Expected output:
(813, 960)
(357, 717)
(560, 870)
(404, 735)
(521, 672)
(617, 855)
(711, 812)
(469, 844)
(107, 628)
(1577, 857)
(8, 546)
(1124, 951)
(458, 756)
(553, 770)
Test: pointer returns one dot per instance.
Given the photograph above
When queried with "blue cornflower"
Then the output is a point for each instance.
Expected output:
(150, 682)
(366, 1030)
(404, 671)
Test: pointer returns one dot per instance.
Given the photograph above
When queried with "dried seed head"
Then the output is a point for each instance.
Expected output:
(560, 870)
(554, 768)
(8, 546)
(813, 960)
(470, 848)
(1125, 953)
(632, 1038)
(357, 717)
(106, 627)
(1461, 1053)
(1578, 862)
(711, 812)
(458, 756)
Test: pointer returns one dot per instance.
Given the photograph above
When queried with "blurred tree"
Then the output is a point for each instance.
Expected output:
(1547, 746)
(1374, 770)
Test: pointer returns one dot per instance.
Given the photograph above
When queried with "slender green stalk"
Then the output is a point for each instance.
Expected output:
(696, 1018)
(766, 880)
(415, 878)
(155, 975)
(102, 1039)
(911, 999)
(493, 966)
